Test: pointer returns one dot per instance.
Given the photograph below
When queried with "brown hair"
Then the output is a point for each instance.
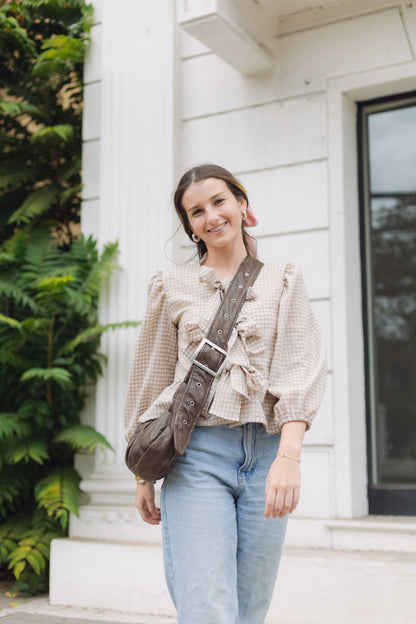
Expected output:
(203, 172)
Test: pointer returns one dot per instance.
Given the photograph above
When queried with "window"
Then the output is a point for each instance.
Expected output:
(387, 135)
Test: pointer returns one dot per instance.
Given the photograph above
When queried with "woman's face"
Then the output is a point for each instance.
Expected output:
(214, 214)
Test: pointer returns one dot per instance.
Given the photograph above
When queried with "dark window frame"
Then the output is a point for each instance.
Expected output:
(384, 499)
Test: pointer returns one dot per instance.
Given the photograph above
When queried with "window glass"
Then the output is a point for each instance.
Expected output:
(391, 284)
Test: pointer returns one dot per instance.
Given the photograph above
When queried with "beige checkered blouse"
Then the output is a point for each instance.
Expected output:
(276, 364)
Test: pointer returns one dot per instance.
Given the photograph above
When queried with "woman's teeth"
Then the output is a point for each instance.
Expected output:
(218, 228)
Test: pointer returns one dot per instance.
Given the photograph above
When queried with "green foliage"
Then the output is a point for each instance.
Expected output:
(42, 47)
(58, 493)
(49, 339)
(50, 281)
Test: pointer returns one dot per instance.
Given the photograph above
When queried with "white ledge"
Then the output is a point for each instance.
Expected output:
(205, 21)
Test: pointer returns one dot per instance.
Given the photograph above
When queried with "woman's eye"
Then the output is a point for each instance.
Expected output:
(218, 201)
(195, 212)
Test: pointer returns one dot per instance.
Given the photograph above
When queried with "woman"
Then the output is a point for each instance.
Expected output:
(225, 502)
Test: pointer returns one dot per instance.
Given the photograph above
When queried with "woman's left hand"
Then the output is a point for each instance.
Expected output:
(282, 487)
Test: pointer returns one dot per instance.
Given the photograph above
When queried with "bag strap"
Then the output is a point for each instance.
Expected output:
(209, 358)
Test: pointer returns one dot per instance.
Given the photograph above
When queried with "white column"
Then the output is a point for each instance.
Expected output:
(132, 167)
(129, 129)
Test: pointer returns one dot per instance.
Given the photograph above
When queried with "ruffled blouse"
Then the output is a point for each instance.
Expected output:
(275, 370)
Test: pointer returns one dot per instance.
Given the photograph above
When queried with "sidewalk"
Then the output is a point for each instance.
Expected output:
(314, 587)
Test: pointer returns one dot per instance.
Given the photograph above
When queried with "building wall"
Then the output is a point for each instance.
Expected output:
(273, 131)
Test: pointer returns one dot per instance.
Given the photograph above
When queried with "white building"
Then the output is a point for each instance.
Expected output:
(312, 104)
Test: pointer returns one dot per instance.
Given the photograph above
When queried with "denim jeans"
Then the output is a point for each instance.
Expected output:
(221, 554)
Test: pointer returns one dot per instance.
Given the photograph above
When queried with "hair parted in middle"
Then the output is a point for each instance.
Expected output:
(203, 172)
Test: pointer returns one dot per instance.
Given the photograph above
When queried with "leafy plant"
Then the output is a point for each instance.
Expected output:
(49, 342)
(50, 280)
(42, 45)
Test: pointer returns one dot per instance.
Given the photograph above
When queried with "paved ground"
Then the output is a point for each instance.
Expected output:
(314, 587)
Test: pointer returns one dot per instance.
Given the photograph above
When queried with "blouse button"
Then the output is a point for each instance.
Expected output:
(191, 403)
(185, 422)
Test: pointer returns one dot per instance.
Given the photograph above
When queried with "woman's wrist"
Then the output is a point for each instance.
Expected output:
(285, 456)
(141, 481)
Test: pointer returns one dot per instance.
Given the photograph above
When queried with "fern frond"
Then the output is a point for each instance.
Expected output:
(53, 134)
(19, 108)
(82, 438)
(59, 375)
(93, 332)
(36, 203)
(14, 360)
(13, 425)
(59, 493)
(38, 326)
(15, 293)
(11, 531)
(26, 450)
(17, 177)
(59, 52)
(13, 488)
(34, 550)
(52, 285)
(69, 194)
(101, 270)
(11, 322)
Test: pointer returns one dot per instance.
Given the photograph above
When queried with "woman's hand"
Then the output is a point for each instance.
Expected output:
(282, 487)
(145, 503)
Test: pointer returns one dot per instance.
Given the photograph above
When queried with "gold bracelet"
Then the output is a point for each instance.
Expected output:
(288, 457)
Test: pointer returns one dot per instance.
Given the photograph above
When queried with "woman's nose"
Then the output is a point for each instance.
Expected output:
(211, 214)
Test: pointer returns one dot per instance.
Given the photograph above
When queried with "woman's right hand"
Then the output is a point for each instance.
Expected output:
(145, 503)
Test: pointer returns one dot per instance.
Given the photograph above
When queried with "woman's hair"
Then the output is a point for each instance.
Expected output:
(203, 172)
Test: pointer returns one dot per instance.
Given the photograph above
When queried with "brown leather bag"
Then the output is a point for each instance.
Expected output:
(157, 442)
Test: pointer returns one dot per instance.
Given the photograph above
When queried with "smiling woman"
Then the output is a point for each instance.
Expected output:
(226, 499)
(207, 190)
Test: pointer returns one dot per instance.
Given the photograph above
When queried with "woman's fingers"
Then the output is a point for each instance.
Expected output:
(145, 503)
(282, 489)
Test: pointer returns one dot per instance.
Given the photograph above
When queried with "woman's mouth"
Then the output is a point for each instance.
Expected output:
(218, 228)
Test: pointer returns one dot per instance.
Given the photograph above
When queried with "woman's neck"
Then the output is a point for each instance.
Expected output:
(225, 262)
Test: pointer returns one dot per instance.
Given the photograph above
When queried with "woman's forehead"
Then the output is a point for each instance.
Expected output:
(203, 190)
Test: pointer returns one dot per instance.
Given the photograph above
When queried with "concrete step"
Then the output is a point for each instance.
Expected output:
(315, 586)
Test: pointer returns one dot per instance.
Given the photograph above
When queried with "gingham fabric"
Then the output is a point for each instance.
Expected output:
(276, 365)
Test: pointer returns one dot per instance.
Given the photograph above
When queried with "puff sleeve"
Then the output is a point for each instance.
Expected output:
(298, 369)
(155, 357)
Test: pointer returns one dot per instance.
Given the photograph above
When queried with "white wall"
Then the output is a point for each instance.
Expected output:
(274, 133)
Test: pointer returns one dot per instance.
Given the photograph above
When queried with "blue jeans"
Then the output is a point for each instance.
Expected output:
(221, 555)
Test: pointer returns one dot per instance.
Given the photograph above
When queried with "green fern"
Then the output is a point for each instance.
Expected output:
(82, 438)
(19, 108)
(14, 292)
(26, 450)
(33, 549)
(36, 203)
(13, 425)
(59, 494)
(93, 332)
(11, 322)
(53, 134)
(59, 375)
(13, 489)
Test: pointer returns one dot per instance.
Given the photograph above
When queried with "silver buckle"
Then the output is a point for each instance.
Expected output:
(201, 345)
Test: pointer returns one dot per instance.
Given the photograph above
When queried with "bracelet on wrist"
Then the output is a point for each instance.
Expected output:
(288, 457)
(140, 480)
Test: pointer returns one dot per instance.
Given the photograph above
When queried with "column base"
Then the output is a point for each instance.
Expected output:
(126, 577)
